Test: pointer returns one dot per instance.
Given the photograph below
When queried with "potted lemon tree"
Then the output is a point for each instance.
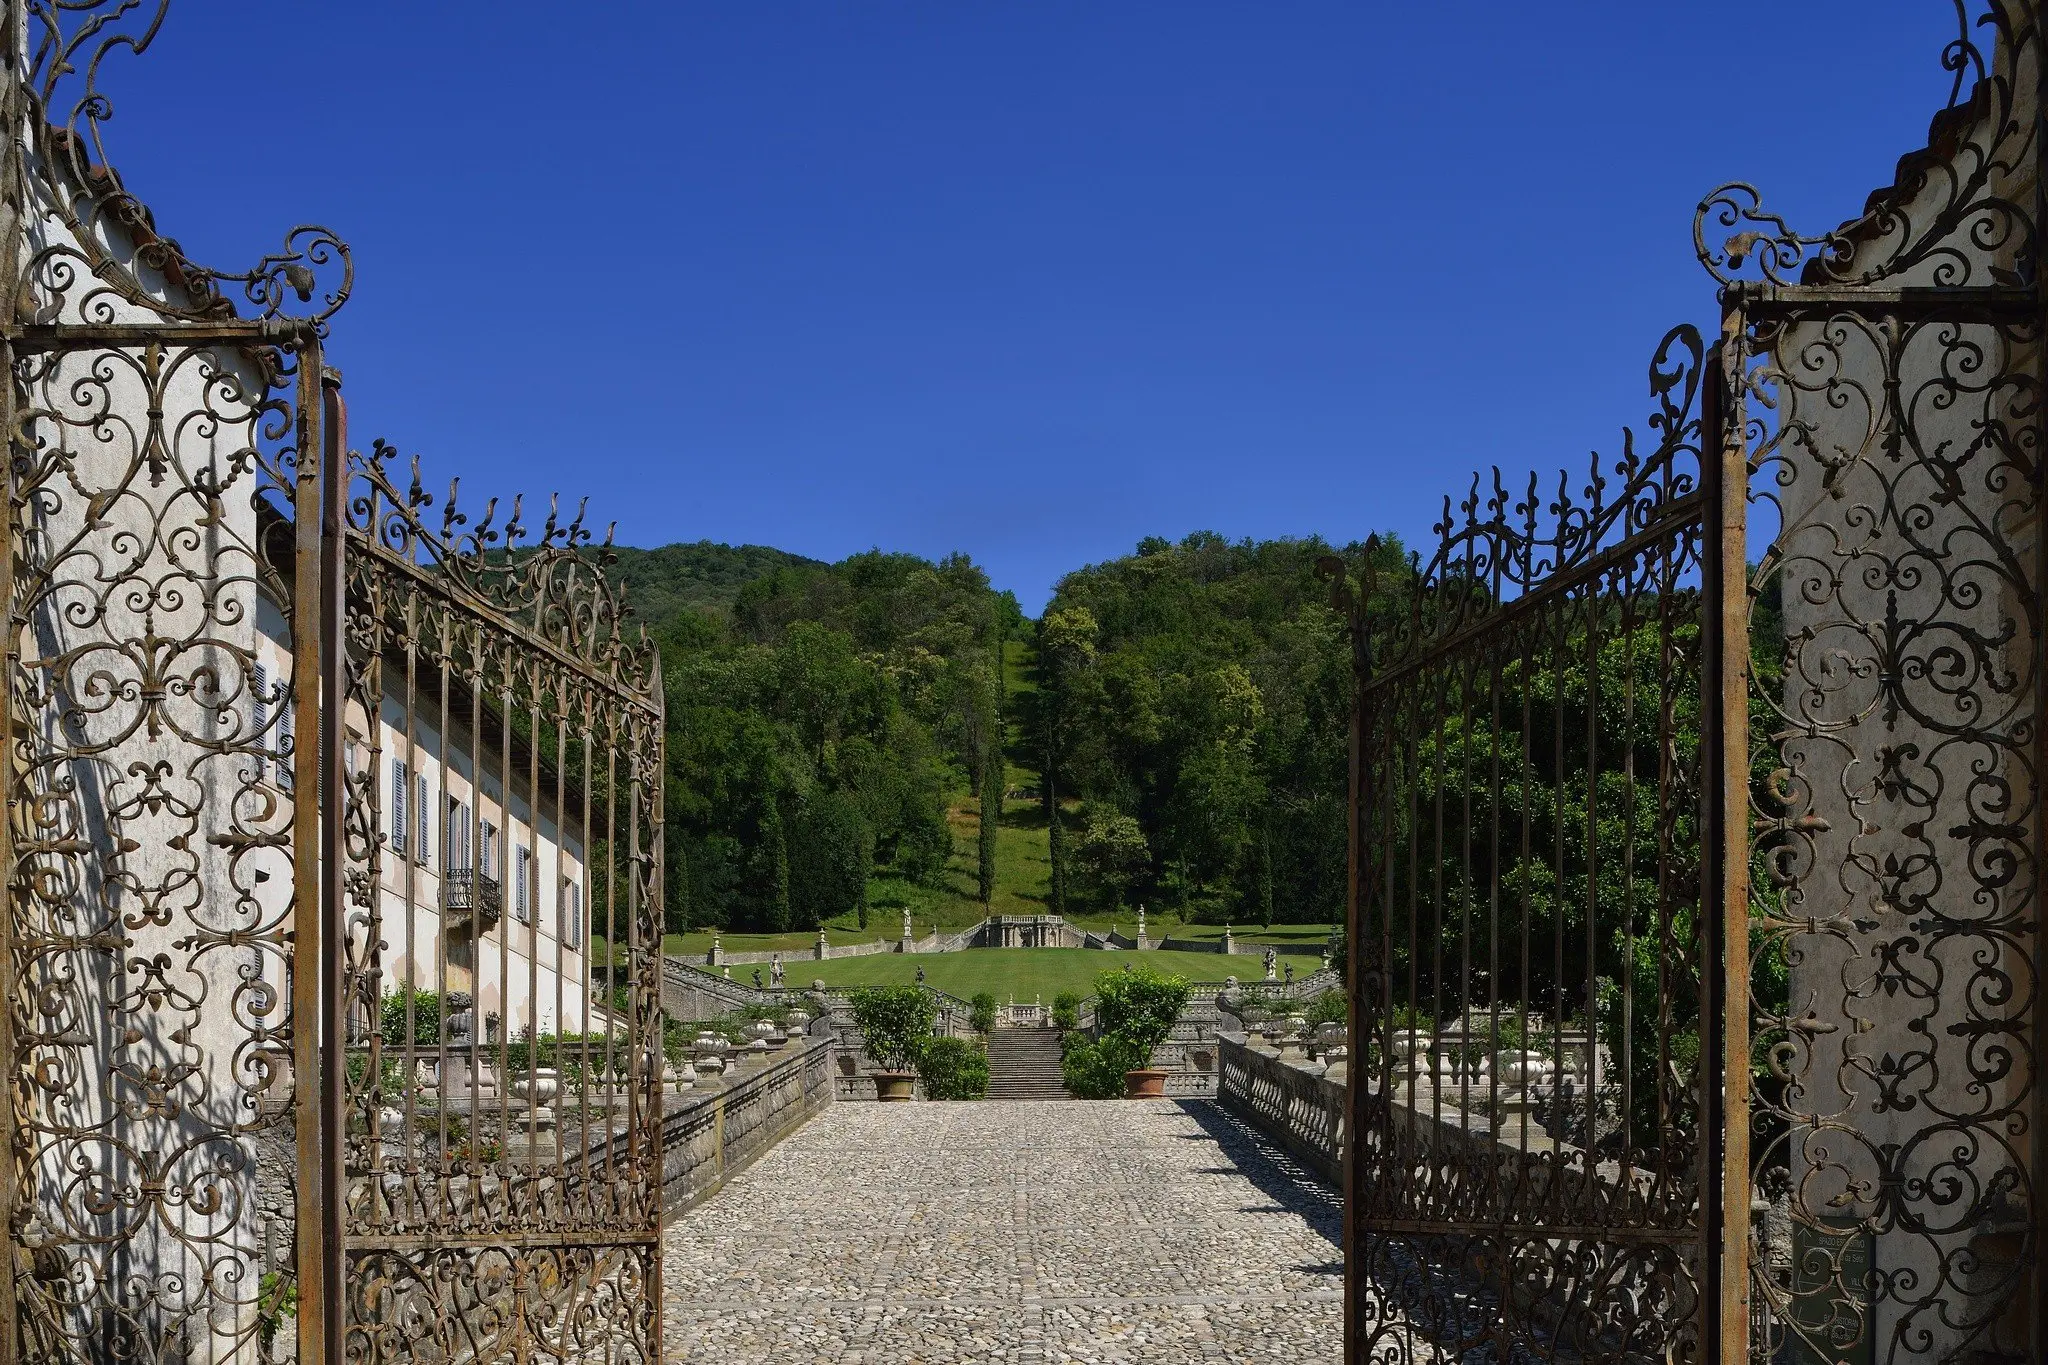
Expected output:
(1135, 1011)
(897, 1023)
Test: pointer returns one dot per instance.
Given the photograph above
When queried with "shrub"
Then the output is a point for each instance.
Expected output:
(1331, 1007)
(1139, 1007)
(426, 1018)
(1095, 1070)
(954, 1069)
(1066, 1010)
(984, 1016)
(897, 1023)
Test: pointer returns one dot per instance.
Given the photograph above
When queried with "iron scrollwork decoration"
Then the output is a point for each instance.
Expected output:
(557, 580)
(307, 280)
(153, 914)
(1895, 795)
(1960, 211)
(1894, 441)
(1530, 962)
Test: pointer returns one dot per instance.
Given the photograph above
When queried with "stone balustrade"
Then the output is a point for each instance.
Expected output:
(1298, 1107)
(709, 1134)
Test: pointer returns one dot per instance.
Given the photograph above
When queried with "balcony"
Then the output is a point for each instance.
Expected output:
(472, 902)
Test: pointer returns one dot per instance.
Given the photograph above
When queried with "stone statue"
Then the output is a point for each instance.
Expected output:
(920, 973)
(1290, 973)
(1272, 965)
(906, 921)
(775, 971)
(1141, 926)
(757, 978)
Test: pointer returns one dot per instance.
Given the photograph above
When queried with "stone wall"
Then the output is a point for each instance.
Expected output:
(708, 1137)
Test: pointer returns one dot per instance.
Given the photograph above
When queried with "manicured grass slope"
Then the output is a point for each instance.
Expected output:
(1025, 973)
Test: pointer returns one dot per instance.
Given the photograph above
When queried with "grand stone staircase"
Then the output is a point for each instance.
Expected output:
(1024, 1064)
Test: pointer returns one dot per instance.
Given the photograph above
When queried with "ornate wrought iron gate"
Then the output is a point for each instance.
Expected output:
(330, 963)
(1532, 971)
(1696, 924)
(500, 742)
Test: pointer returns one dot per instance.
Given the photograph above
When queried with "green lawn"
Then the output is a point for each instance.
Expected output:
(1025, 973)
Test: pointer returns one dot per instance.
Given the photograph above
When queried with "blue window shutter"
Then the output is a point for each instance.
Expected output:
(287, 743)
(258, 690)
(398, 785)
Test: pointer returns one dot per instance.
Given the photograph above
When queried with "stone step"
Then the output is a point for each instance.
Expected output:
(1024, 1064)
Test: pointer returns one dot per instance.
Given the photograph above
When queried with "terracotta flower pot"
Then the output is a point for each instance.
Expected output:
(895, 1086)
(1145, 1085)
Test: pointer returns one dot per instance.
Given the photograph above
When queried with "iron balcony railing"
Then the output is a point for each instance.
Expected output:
(469, 896)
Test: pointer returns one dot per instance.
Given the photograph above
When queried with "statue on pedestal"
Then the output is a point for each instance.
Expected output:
(775, 971)
(906, 923)
(1272, 965)
(1141, 926)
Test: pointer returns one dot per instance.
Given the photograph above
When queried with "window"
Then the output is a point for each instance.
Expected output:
(490, 849)
(426, 817)
(522, 881)
(398, 794)
(572, 913)
(455, 842)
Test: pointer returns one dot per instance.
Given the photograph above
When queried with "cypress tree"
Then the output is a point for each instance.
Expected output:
(991, 815)
(775, 849)
(1056, 844)
(1266, 874)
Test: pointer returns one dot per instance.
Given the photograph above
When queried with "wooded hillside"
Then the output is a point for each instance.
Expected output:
(824, 719)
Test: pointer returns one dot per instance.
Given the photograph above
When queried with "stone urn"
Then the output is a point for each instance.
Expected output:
(761, 1030)
(894, 1087)
(799, 1023)
(1520, 1071)
(1331, 1037)
(1147, 1083)
(1524, 1067)
(1410, 1048)
(538, 1089)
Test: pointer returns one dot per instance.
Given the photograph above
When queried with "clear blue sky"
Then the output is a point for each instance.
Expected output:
(1030, 280)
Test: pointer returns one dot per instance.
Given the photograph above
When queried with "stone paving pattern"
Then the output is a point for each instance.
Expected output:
(1027, 1232)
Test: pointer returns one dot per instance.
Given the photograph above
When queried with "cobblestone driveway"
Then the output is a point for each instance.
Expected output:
(1146, 1231)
